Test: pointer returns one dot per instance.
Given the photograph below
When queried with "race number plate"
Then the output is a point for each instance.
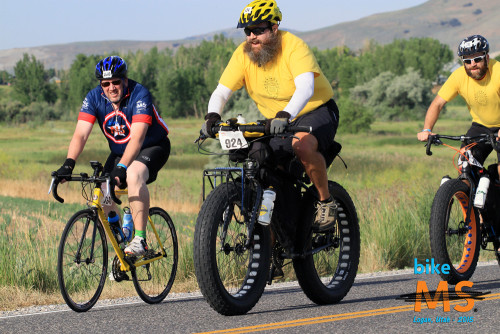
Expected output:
(232, 140)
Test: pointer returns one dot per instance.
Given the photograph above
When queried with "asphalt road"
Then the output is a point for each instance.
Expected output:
(372, 306)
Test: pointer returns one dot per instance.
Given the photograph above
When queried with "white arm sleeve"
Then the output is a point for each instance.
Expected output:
(304, 90)
(218, 99)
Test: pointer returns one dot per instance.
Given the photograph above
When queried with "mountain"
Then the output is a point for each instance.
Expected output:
(448, 21)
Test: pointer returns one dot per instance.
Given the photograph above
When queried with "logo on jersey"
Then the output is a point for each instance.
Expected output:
(85, 104)
(141, 106)
(116, 127)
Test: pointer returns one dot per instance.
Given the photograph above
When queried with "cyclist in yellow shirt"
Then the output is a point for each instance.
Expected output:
(478, 82)
(282, 76)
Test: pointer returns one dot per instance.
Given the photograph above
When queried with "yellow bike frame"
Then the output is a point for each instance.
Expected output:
(96, 202)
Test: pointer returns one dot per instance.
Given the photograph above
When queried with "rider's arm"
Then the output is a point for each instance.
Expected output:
(138, 132)
(218, 99)
(431, 117)
(304, 90)
(80, 136)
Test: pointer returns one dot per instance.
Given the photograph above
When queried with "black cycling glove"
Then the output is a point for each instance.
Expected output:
(210, 120)
(277, 125)
(121, 173)
(66, 169)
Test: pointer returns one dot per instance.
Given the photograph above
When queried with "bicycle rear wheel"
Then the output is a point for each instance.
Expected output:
(82, 260)
(327, 275)
(154, 280)
(453, 241)
(231, 277)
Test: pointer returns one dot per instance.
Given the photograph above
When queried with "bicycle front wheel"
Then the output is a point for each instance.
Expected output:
(453, 240)
(82, 260)
(231, 275)
(154, 280)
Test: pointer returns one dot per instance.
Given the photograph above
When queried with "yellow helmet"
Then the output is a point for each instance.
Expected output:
(259, 11)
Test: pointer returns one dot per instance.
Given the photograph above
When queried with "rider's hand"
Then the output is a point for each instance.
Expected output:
(119, 172)
(277, 125)
(210, 120)
(66, 169)
(424, 135)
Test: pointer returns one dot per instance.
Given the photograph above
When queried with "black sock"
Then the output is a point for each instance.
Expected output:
(329, 199)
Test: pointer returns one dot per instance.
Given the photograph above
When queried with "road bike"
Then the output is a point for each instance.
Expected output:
(82, 261)
(235, 255)
(465, 215)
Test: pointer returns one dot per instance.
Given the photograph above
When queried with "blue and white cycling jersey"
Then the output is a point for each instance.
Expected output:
(136, 106)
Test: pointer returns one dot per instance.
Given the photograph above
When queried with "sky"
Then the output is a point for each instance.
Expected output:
(30, 23)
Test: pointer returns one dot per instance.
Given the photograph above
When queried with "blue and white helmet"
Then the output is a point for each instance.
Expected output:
(472, 45)
(110, 68)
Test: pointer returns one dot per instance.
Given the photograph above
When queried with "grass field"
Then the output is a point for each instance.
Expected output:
(390, 178)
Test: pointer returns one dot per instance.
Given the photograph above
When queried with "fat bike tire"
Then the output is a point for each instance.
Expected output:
(454, 241)
(327, 275)
(231, 277)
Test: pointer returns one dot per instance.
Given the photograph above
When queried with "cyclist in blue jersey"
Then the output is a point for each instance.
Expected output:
(136, 134)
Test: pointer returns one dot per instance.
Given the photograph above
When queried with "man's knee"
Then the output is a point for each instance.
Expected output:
(137, 174)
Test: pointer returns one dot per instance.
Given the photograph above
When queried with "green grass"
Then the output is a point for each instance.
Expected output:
(390, 178)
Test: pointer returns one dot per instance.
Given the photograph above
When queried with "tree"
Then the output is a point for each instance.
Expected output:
(80, 80)
(395, 97)
(31, 84)
(5, 77)
(354, 117)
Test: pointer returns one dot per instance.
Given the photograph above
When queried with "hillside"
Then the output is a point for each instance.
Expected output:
(446, 20)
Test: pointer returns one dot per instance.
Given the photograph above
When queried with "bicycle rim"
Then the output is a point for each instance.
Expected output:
(453, 240)
(461, 246)
(154, 280)
(82, 261)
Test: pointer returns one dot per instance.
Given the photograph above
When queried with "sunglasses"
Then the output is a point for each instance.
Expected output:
(256, 31)
(114, 82)
(476, 60)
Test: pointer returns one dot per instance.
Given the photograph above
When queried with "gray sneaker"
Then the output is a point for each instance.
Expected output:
(137, 247)
(326, 215)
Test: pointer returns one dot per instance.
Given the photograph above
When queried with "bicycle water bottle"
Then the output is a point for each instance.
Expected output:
(128, 225)
(481, 192)
(114, 223)
(267, 206)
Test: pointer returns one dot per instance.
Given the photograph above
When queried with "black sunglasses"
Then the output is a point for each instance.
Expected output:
(256, 31)
(114, 82)
(476, 59)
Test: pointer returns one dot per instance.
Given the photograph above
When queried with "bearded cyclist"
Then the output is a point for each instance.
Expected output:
(282, 76)
(136, 134)
(478, 82)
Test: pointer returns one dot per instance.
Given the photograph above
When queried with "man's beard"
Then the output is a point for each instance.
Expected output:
(480, 74)
(267, 52)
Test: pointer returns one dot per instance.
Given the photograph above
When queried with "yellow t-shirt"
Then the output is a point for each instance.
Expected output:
(271, 86)
(482, 96)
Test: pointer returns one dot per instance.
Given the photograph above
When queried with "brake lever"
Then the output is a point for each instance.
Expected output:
(51, 185)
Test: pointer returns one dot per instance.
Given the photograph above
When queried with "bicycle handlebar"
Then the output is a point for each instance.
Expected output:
(259, 128)
(82, 177)
(482, 138)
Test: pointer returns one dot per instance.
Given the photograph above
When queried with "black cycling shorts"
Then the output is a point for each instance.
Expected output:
(481, 150)
(154, 157)
(324, 122)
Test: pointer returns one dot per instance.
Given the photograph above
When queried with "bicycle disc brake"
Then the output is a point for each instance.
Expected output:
(118, 274)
